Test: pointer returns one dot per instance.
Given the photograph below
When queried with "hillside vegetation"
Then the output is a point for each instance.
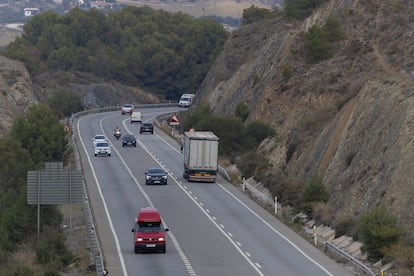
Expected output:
(168, 54)
(35, 139)
(335, 82)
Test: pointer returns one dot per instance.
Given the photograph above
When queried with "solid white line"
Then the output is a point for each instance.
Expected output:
(108, 216)
(277, 232)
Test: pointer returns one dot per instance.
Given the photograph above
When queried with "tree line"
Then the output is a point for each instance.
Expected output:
(168, 53)
(36, 138)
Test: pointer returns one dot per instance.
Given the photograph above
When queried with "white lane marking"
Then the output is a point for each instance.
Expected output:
(212, 219)
(266, 223)
(181, 253)
(177, 246)
(111, 225)
(277, 232)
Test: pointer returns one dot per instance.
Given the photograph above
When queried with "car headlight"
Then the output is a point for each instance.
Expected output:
(164, 177)
(148, 177)
(139, 239)
(160, 239)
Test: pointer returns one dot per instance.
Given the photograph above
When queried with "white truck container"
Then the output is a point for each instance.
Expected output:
(200, 156)
(186, 100)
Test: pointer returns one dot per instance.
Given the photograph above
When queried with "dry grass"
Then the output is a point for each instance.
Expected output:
(76, 239)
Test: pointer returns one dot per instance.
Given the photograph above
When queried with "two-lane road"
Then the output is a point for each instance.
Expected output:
(214, 228)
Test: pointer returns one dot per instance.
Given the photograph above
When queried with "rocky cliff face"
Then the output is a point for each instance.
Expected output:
(16, 92)
(348, 119)
(19, 91)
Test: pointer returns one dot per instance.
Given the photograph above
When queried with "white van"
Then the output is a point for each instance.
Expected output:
(186, 100)
(136, 117)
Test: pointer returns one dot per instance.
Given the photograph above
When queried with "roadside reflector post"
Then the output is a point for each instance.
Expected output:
(244, 184)
(315, 235)
(275, 205)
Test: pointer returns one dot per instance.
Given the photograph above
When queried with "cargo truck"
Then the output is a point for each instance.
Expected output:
(200, 151)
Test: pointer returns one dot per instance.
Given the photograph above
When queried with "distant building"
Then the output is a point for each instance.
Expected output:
(31, 11)
(101, 4)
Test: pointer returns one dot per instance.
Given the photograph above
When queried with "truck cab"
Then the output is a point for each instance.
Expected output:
(149, 233)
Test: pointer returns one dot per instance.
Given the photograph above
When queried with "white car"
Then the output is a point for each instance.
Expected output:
(98, 138)
(102, 148)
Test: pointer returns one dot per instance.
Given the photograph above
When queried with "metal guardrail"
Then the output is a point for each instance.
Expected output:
(116, 108)
(96, 251)
(93, 240)
(356, 263)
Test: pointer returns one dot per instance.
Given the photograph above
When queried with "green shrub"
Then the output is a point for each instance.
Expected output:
(300, 9)
(314, 192)
(378, 230)
(332, 28)
(256, 79)
(235, 136)
(287, 71)
(287, 191)
(242, 111)
(254, 14)
(318, 40)
(51, 248)
(317, 45)
(65, 103)
(251, 163)
(344, 225)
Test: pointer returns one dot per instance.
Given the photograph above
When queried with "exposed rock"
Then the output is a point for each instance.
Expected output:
(19, 91)
(16, 92)
(348, 119)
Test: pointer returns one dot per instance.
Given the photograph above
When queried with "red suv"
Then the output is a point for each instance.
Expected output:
(149, 233)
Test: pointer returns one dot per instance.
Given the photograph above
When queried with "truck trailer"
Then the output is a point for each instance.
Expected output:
(200, 156)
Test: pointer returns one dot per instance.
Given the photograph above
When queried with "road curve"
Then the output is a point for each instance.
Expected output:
(214, 228)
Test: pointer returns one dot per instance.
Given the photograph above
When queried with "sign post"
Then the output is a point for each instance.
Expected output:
(173, 121)
(54, 186)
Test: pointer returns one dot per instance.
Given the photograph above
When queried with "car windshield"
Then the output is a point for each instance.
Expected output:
(129, 137)
(127, 106)
(102, 144)
(147, 124)
(155, 170)
(150, 227)
(99, 137)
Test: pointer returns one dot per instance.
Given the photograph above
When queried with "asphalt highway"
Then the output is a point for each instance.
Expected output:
(215, 229)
